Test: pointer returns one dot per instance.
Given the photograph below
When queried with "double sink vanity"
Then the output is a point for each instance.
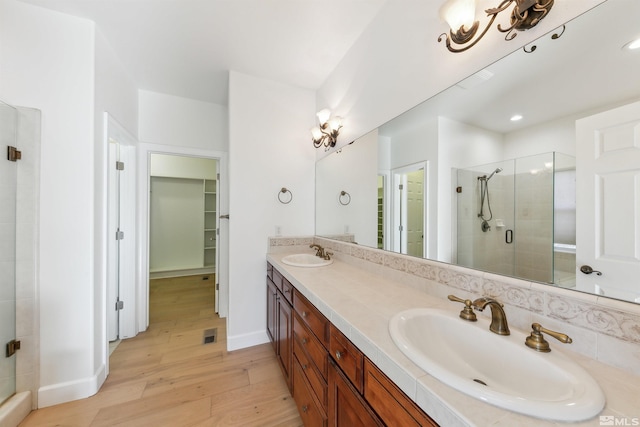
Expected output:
(360, 347)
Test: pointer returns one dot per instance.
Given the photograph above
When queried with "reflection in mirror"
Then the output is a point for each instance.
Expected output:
(455, 180)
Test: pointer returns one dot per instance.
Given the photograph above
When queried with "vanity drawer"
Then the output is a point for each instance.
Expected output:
(269, 271)
(310, 411)
(287, 290)
(314, 378)
(347, 357)
(389, 402)
(310, 344)
(311, 317)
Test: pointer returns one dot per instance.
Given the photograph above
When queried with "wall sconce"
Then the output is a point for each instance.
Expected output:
(460, 15)
(327, 133)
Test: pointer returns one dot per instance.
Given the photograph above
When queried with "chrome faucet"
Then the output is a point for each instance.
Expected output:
(498, 317)
(319, 250)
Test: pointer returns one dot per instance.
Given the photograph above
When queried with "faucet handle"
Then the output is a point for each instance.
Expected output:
(537, 342)
(467, 312)
(327, 255)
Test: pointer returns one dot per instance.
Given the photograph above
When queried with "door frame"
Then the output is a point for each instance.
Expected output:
(222, 269)
(396, 201)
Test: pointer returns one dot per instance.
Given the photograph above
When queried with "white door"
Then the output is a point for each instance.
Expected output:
(409, 208)
(415, 213)
(121, 232)
(608, 202)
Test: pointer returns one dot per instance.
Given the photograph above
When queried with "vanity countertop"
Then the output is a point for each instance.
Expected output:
(360, 303)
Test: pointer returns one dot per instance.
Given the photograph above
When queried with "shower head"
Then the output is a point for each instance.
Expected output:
(498, 170)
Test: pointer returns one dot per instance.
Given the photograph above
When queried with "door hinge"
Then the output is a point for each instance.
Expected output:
(12, 346)
(217, 286)
(120, 166)
(400, 187)
(119, 235)
(13, 154)
(400, 227)
(218, 176)
(119, 305)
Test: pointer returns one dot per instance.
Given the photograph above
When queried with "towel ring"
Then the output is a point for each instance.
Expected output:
(282, 191)
(342, 196)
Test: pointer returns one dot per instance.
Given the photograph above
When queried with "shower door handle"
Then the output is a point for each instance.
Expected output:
(508, 236)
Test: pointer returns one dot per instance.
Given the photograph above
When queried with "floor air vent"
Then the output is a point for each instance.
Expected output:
(210, 336)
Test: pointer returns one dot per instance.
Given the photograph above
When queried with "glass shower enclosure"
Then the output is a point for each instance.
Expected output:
(8, 184)
(517, 218)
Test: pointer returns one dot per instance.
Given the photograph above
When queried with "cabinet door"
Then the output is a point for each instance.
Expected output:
(389, 402)
(284, 336)
(272, 293)
(346, 407)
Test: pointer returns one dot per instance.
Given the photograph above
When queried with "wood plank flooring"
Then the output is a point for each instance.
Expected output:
(166, 376)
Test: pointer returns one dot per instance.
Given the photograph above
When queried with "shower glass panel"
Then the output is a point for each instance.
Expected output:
(517, 218)
(486, 217)
(8, 182)
(534, 217)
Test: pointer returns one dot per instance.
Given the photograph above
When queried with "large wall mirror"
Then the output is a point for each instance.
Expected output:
(459, 179)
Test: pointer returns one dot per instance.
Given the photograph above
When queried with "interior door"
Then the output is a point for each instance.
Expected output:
(415, 213)
(608, 200)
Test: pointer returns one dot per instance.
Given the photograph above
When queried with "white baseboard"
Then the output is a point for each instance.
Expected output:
(14, 410)
(72, 390)
(236, 342)
(163, 274)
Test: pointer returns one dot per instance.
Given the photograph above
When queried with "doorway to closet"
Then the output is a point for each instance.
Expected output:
(183, 233)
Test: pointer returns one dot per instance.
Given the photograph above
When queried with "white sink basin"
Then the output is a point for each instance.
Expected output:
(306, 260)
(497, 369)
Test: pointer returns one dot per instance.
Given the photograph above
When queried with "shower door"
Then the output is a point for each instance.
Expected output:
(486, 217)
(8, 181)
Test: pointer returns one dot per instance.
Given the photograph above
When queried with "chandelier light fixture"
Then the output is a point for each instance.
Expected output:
(464, 27)
(326, 134)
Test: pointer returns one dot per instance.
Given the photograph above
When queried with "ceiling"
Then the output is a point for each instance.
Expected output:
(187, 47)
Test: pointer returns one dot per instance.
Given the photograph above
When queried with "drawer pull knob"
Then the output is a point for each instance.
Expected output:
(305, 408)
(304, 314)
(338, 355)
(305, 367)
(304, 341)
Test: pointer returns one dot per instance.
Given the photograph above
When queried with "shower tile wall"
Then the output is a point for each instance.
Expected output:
(27, 330)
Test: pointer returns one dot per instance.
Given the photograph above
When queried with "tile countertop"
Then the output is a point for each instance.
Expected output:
(361, 303)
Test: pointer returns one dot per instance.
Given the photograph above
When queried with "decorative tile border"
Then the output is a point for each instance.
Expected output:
(290, 241)
(579, 309)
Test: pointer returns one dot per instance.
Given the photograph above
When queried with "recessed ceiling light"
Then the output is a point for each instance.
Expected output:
(632, 45)
(516, 117)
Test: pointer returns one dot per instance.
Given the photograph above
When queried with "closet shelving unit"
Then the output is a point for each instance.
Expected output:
(210, 222)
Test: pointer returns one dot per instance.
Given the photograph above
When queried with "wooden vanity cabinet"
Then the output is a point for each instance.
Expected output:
(347, 408)
(280, 321)
(389, 402)
(332, 382)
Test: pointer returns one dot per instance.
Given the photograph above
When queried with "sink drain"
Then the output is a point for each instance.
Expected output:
(480, 381)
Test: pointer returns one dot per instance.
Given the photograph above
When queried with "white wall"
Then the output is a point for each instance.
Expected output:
(172, 120)
(336, 173)
(47, 57)
(269, 148)
(182, 167)
(117, 94)
(176, 231)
